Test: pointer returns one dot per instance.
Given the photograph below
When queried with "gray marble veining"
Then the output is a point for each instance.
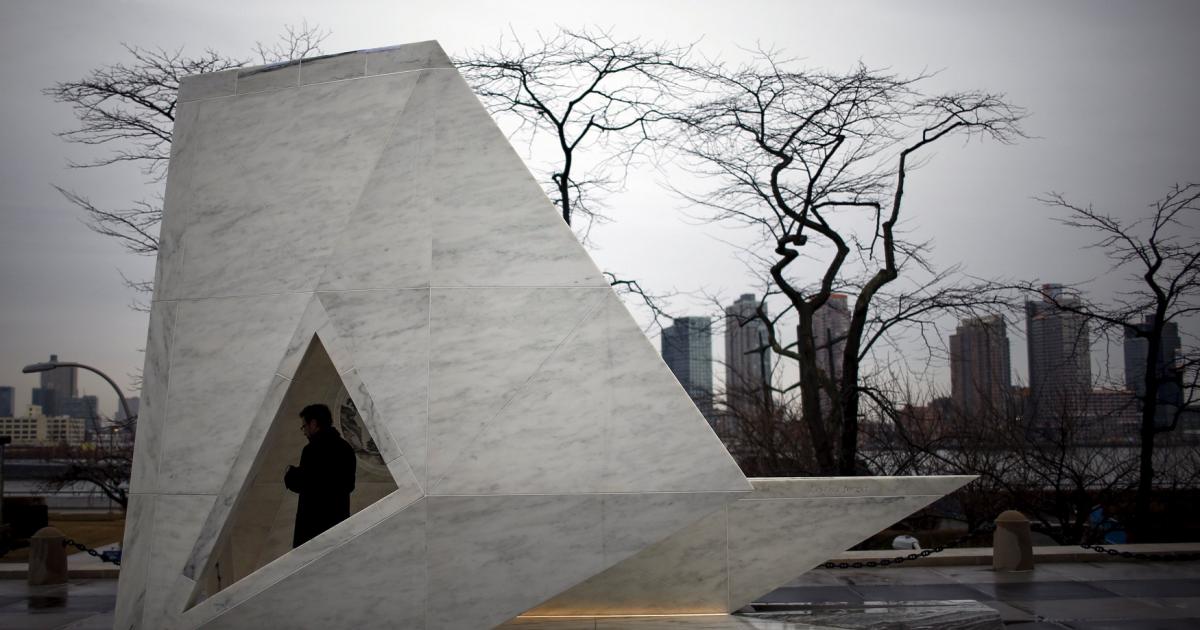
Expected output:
(155, 377)
(222, 368)
(337, 67)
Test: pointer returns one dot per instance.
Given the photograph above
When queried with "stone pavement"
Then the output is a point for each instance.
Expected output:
(1092, 595)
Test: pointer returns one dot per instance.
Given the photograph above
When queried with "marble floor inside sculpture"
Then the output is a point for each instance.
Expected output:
(355, 230)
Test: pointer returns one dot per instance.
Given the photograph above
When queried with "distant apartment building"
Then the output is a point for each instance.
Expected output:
(1170, 387)
(831, 322)
(1059, 344)
(1112, 416)
(34, 428)
(7, 401)
(86, 408)
(687, 350)
(980, 367)
(747, 355)
(55, 388)
(135, 403)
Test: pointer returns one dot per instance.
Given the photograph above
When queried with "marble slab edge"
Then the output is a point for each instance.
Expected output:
(427, 55)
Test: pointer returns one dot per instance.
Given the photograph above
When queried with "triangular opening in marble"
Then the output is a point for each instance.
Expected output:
(258, 528)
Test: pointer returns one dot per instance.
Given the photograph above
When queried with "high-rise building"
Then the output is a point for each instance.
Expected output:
(1170, 387)
(7, 401)
(831, 322)
(980, 367)
(56, 387)
(1060, 362)
(86, 408)
(687, 350)
(747, 355)
(135, 402)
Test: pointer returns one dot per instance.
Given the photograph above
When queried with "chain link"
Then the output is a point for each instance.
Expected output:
(1133, 555)
(69, 542)
(924, 553)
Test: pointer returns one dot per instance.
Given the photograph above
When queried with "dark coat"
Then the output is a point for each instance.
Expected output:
(324, 480)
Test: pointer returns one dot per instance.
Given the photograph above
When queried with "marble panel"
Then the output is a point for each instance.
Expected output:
(387, 241)
(209, 85)
(263, 510)
(135, 562)
(222, 368)
(493, 557)
(177, 522)
(386, 334)
(633, 522)
(271, 77)
(415, 56)
(523, 241)
(683, 573)
(237, 478)
(348, 65)
(658, 440)
(186, 153)
(475, 372)
(291, 164)
(601, 414)
(391, 595)
(394, 459)
(155, 374)
(760, 559)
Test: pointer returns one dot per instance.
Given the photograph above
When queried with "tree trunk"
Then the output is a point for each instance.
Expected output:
(1142, 518)
(810, 397)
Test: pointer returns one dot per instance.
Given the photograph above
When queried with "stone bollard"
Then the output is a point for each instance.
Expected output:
(47, 558)
(1012, 544)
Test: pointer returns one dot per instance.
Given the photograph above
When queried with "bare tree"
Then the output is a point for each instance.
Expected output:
(128, 108)
(599, 101)
(1159, 256)
(817, 163)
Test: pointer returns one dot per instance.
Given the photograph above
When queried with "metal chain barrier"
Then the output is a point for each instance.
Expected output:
(1133, 555)
(1129, 555)
(69, 542)
(924, 553)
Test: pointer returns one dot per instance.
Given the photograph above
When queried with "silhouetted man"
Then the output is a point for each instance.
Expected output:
(325, 477)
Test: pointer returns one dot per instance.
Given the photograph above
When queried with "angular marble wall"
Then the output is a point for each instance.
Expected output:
(534, 437)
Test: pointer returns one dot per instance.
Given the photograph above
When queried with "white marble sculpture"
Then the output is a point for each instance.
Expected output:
(355, 229)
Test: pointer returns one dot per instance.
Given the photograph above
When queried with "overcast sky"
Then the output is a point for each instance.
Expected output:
(1111, 87)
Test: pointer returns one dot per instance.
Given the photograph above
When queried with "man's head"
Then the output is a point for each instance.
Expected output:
(314, 419)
